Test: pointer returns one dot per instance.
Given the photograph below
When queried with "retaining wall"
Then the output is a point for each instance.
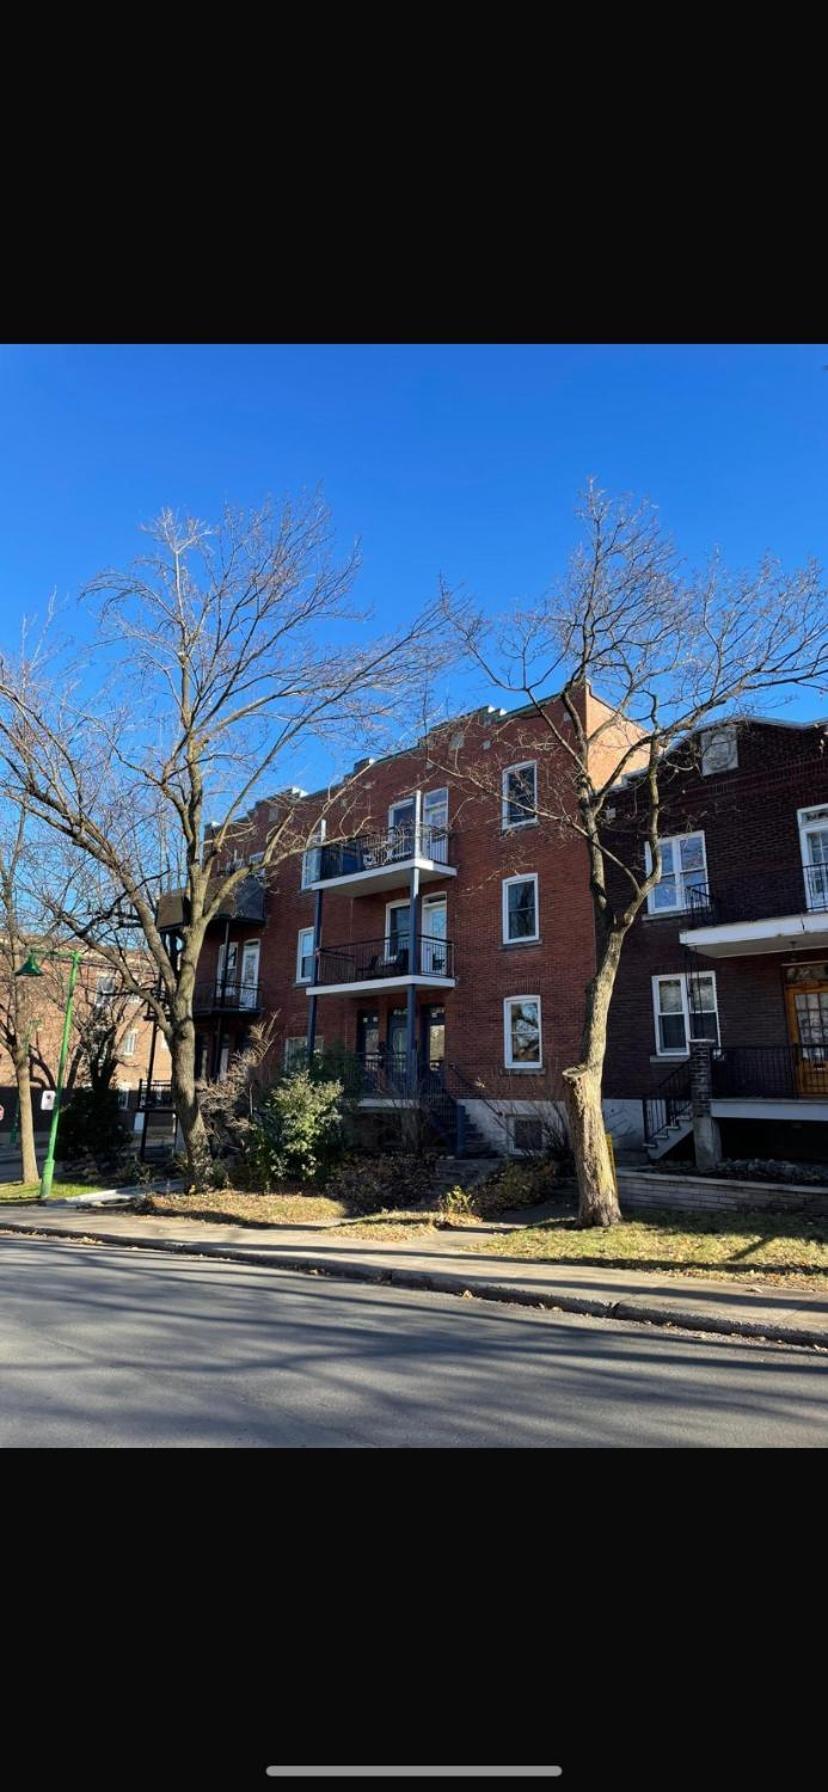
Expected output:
(690, 1194)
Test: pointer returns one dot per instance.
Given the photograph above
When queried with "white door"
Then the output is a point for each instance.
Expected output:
(249, 993)
(433, 954)
(435, 825)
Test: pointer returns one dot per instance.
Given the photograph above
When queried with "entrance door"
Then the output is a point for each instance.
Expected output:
(807, 1006)
(249, 991)
(434, 1040)
(368, 1045)
(396, 1047)
(232, 961)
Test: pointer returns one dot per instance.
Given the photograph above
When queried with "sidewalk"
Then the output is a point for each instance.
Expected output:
(440, 1262)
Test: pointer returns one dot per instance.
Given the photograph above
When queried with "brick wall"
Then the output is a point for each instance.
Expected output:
(749, 820)
(486, 971)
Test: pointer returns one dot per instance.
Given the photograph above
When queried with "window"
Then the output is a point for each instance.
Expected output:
(683, 881)
(813, 834)
(130, 1042)
(104, 988)
(123, 1095)
(520, 795)
(304, 956)
(685, 1009)
(296, 1051)
(312, 856)
(719, 751)
(522, 1029)
(433, 953)
(527, 1135)
(520, 908)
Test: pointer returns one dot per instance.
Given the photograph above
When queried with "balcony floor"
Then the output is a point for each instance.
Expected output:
(367, 984)
(386, 877)
(742, 939)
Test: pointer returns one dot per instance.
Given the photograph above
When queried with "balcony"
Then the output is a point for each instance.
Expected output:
(384, 964)
(236, 998)
(749, 1082)
(776, 909)
(245, 903)
(380, 861)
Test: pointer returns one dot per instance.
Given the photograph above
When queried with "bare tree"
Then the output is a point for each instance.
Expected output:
(221, 657)
(666, 651)
(21, 999)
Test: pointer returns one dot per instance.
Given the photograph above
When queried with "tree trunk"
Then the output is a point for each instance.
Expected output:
(196, 1142)
(28, 1154)
(598, 1203)
(597, 1197)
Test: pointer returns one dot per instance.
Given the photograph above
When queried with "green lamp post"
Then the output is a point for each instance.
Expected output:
(32, 969)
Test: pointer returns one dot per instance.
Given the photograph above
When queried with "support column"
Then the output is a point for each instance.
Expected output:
(312, 1000)
(707, 1140)
(411, 1052)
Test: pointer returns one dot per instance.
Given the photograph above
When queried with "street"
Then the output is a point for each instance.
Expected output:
(107, 1347)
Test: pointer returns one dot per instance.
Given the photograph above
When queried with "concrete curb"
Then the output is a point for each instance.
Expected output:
(444, 1282)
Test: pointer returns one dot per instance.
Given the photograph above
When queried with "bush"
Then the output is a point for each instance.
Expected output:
(296, 1131)
(91, 1127)
(517, 1183)
(381, 1184)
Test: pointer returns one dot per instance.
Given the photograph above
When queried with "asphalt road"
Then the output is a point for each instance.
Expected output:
(105, 1347)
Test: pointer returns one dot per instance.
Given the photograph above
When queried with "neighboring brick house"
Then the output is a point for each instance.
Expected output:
(733, 947)
(95, 985)
(446, 941)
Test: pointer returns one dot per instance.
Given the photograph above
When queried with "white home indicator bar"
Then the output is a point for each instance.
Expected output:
(503, 1773)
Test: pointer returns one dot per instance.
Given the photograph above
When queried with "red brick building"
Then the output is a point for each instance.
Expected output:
(733, 947)
(439, 931)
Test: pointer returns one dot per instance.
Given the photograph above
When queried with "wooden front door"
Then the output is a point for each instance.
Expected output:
(807, 1005)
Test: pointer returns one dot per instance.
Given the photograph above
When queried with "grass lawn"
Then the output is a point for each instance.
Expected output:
(293, 1207)
(28, 1191)
(785, 1250)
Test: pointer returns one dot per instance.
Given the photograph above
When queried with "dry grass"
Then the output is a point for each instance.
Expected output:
(293, 1207)
(780, 1249)
(29, 1191)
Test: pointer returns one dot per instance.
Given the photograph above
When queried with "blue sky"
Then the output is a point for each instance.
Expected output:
(464, 461)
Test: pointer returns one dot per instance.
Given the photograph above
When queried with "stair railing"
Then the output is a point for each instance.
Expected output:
(669, 1105)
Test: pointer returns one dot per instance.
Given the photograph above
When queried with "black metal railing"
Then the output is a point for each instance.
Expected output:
(386, 1074)
(234, 996)
(757, 895)
(670, 1103)
(154, 1095)
(370, 852)
(363, 961)
(771, 1072)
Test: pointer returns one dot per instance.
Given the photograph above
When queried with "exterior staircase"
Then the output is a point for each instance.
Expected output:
(468, 1172)
(668, 1113)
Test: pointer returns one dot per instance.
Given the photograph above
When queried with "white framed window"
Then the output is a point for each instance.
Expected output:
(104, 988)
(123, 1094)
(296, 1051)
(312, 856)
(683, 878)
(813, 839)
(523, 1048)
(304, 955)
(129, 1044)
(520, 795)
(520, 908)
(685, 1008)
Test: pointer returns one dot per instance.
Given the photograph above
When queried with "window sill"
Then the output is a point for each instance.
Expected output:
(509, 827)
(524, 1069)
(509, 945)
(669, 1057)
(667, 914)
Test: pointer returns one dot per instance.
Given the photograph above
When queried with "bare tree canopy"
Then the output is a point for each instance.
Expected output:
(622, 662)
(224, 656)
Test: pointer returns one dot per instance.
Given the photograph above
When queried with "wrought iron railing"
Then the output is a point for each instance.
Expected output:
(154, 1095)
(235, 996)
(757, 896)
(362, 961)
(370, 852)
(771, 1072)
(670, 1103)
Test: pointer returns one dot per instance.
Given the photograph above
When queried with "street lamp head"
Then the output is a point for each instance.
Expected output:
(31, 968)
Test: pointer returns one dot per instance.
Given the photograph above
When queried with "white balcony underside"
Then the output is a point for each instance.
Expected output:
(384, 877)
(745, 939)
(758, 1107)
(378, 983)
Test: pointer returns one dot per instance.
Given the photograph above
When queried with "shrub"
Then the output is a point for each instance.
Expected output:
(92, 1127)
(515, 1184)
(380, 1184)
(296, 1130)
